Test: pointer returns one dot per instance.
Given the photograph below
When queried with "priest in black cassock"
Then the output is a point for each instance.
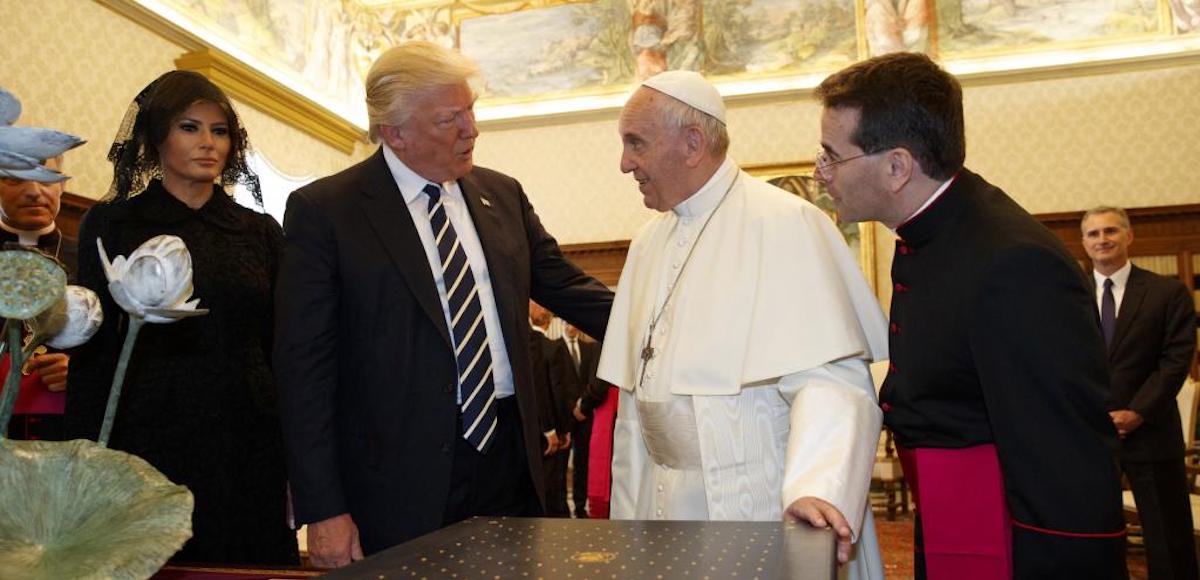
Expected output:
(27, 213)
(997, 382)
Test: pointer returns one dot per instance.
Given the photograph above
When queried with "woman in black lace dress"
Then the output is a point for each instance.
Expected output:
(199, 399)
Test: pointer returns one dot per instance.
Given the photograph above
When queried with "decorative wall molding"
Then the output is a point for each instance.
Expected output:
(153, 22)
(263, 93)
(245, 83)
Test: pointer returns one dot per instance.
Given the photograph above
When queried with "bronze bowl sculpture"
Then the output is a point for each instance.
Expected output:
(74, 509)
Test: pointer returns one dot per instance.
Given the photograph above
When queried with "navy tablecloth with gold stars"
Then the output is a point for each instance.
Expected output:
(486, 547)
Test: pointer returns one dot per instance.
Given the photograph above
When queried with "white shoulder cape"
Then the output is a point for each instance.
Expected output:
(771, 290)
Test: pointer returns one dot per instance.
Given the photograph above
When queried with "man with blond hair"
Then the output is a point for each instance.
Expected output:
(401, 353)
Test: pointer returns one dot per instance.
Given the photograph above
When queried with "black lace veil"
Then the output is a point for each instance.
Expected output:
(134, 152)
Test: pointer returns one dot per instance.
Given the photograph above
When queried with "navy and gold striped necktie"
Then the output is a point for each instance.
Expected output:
(475, 382)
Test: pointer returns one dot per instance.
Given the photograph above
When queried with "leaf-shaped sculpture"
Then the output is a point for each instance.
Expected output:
(10, 108)
(37, 142)
(74, 509)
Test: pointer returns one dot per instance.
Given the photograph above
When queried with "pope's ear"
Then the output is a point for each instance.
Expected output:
(695, 144)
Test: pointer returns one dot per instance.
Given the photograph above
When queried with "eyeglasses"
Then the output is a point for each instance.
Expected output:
(824, 167)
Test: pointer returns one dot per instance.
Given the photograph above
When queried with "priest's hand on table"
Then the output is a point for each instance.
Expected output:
(820, 514)
(333, 543)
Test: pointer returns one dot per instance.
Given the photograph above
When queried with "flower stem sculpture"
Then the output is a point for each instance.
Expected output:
(30, 283)
(154, 284)
(68, 323)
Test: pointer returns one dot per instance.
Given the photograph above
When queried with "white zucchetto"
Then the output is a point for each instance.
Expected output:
(691, 88)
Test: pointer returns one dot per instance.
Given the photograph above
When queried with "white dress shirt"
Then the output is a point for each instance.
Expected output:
(411, 187)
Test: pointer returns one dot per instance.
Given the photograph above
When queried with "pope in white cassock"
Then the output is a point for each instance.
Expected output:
(740, 339)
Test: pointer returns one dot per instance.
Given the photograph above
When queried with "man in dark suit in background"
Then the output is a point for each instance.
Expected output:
(553, 381)
(585, 356)
(996, 387)
(1149, 324)
(401, 346)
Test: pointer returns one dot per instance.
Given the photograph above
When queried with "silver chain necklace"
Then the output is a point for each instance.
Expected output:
(648, 350)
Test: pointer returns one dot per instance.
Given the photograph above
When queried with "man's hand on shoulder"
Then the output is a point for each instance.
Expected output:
(333, 542)
(822, 514)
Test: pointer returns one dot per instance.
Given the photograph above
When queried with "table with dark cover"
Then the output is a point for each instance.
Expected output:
(488, 547)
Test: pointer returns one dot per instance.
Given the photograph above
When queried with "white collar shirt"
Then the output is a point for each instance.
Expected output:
(411, 188)
(1120, 280)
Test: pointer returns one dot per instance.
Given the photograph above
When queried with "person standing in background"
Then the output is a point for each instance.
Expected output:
(585, 356)
(553, 382)
(27, 218)
(1149, 326)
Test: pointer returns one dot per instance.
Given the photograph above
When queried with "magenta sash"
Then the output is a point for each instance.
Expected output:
(32, 396)
(959, 495)
(600, 450)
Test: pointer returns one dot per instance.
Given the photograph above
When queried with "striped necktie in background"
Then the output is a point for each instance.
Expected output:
(475, 382)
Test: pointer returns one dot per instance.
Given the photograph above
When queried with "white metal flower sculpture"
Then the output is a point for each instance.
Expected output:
(23, 149)
(153, 285)
(69, 323)
(155, 282)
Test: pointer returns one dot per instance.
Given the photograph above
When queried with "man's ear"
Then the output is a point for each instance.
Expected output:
(900, 167)
(394, 137)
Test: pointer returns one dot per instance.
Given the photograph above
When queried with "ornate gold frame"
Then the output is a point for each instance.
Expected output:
(866, 230)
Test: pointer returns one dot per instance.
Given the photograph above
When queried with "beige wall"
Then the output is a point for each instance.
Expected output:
(1128, 138)
(76, 65)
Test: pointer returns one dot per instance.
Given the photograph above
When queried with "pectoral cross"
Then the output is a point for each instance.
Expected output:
(648, 350)
(647, 354)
